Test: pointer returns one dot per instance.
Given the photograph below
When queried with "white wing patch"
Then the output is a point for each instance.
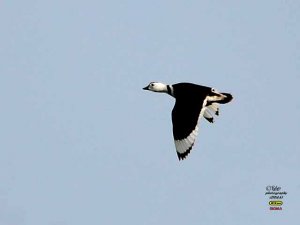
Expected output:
(186, 144)
(211, 110)
(207, 115)
(214, 107)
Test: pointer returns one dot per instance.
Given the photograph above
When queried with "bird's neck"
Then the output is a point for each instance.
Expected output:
(170, 90)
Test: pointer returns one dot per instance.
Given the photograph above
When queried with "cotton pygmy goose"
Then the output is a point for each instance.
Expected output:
(192, 102)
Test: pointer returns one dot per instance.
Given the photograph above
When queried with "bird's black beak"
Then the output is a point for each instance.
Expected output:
(146, 88)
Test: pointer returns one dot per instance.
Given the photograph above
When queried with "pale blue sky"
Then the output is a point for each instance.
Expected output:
(82, 143)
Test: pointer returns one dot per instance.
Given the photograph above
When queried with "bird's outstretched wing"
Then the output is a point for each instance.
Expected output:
(185, 116)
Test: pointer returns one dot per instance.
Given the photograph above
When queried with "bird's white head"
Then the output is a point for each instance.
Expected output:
(156, 87)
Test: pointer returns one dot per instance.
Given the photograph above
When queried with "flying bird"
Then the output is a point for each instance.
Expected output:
(192, 102)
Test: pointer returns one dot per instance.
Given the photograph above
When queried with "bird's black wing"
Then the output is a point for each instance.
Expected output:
(185, 117)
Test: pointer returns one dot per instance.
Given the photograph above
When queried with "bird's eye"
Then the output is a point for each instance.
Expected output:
(213, 90)
(151, 84)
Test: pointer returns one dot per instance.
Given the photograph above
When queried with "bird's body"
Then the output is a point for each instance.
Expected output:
(192, 102)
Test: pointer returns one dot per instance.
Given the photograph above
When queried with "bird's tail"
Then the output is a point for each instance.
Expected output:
(226, 98)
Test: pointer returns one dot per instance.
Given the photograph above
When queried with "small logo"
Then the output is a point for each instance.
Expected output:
(275, 208)
(275, 203)
(275, 196)
(273, 188)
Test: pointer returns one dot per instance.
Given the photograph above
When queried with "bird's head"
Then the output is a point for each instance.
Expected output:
(156, 87)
